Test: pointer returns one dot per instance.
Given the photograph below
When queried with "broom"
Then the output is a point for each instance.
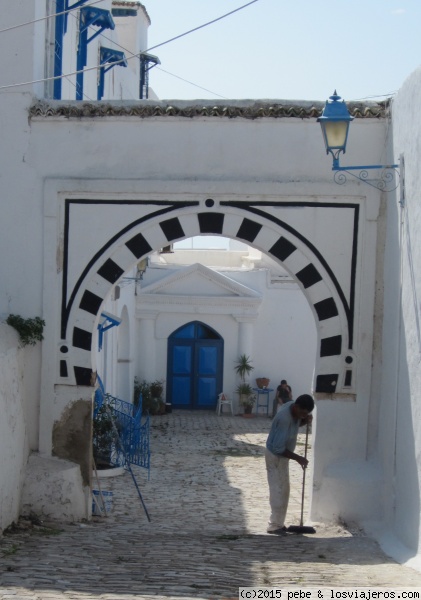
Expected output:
(302, 528)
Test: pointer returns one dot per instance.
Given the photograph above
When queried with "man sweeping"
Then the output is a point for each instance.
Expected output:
(280, 448)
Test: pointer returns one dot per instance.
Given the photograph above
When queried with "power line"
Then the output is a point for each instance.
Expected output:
(376, 96)
(177, 37)
(13, 85)
(159, 68)
(46, 17)
(190, 82)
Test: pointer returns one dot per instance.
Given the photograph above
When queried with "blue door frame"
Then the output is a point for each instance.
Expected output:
(195, 363)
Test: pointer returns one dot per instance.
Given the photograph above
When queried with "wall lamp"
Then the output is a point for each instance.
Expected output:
(334, 121)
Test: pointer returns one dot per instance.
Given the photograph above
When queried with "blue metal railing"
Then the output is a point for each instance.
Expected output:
(132, 445)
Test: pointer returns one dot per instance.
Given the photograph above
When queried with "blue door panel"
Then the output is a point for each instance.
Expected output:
(181, 391)
(182, 359)
(208, 362)
(195, 358)
(207, 392)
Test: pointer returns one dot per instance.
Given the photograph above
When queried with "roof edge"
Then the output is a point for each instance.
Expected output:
(246, 109)
(132, 5)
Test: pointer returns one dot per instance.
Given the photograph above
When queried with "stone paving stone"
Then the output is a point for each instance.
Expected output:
(208, 501)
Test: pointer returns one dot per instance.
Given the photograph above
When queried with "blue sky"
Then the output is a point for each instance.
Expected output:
(285, 49)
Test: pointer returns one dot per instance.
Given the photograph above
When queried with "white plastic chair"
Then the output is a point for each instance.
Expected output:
(223, 398)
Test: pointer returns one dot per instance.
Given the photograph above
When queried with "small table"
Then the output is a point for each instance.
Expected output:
(263, 396)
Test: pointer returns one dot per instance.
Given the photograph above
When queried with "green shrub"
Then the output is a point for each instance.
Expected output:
(30, 330)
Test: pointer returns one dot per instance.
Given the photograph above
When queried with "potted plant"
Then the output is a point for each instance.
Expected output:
(244, 389)
(157, 387)
(247, 398)
(243, 367)
(103, 438)
(152, 401)
(262, 382)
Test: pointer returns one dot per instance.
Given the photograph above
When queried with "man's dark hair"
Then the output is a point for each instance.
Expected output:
(306, 402)
(283, 381)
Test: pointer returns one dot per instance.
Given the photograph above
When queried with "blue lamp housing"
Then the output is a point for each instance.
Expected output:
(334, 121)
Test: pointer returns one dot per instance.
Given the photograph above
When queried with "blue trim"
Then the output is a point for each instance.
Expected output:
(62, 6)
(337, 167)
(89, 16)
(67, 7)
(124, 12)
(147, 62)
(113, 58)
(108, 322)
(58, 48)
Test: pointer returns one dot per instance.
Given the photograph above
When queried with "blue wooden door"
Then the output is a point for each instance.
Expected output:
(194, 376)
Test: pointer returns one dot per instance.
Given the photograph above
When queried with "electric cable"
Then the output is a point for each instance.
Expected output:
(191, 83)
(389, 95)
(158, 68)
(54, 78)
(46, 17)
(71, 10)
(177, 37)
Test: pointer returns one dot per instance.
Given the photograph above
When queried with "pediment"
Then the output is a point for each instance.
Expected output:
(198, 281)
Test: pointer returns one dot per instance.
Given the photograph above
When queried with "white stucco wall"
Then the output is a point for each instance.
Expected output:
(13, 433)
(49, 159)
(282, 332)
(399, 380)
(129, 36)
(117, 362)
(54, 168)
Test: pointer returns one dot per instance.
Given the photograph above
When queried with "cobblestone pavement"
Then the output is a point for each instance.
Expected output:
(208, 502)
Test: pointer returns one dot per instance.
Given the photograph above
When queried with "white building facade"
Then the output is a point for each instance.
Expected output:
(91, 188)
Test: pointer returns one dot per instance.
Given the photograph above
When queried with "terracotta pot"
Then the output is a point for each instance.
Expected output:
(262, 382)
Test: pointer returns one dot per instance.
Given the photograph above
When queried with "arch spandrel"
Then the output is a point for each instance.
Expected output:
(325, 272)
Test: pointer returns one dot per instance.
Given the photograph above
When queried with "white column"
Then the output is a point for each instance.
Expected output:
(147, 346)
(245, 335)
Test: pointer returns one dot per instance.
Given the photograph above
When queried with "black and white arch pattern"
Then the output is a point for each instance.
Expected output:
(334, 317)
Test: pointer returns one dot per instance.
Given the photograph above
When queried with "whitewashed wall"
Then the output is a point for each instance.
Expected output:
(49, 159)
(14, 447)
(283, 332)
(55, 169)
(117, 362)
(129, 36)
(398, 342)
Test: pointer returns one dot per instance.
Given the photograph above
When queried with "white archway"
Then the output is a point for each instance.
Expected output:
(252, 221)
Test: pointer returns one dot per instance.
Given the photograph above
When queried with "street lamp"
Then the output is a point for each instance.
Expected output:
(334, 121)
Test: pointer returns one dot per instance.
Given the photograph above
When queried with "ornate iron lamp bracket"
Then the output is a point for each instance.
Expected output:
(387, 180)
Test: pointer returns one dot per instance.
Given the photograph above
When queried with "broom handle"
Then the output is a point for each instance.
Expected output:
(304, 480)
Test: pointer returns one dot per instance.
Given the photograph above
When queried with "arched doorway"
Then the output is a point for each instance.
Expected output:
(194, 374)
(295, 232)
(300, 241)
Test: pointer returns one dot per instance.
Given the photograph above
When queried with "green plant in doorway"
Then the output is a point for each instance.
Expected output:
(103, 437)
(152, 402)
